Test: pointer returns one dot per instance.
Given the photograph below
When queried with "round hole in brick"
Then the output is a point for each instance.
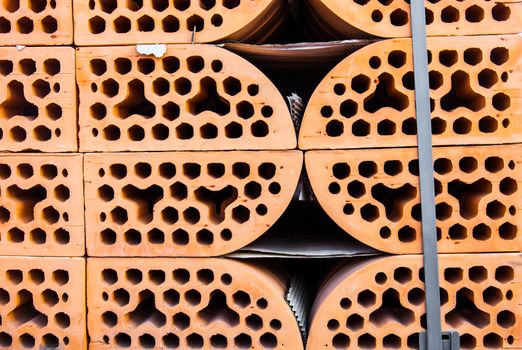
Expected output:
(267, 111)
(226, 279)
(97, 25)
(499, 55)
(504, 77)
(182, 86)
(122, 25)
(407, 234)
(345, 303)
(339, 89)
(385, 232)
(108, 236)
(5, 339)
(488, 124)
(504, 274)
(156, 236)
(216, 66)
(501, 101)
(399, 18)
(27, 340)
(216, 20)
(341, 341)
(334, 188)
(49, 24)
(160, 132)
(262, 303)
(218, 341)
(134, 276)
(501, 12)
(123, 340)
(195, 23)
(259, 129)
(326, 111)
(274, 188)
(377, 16)
(375, 62)
(493, 341)
(62, 236)
(233, 130)
(268, 340)
(109, 276)
(450, 15)
(132, 237)
(481, 232)
(508, 231)
(462, 126)
(18, 134)
(208, 131)
(473, 56)
(111, 133)
(226, 234)
(348, 209)
(253, 190)
(195, 64)
(205, 237)
(334, 128)
(508, 186)
(191, 215)
(261, 209)
(184, 131)
(109, 319)
(474, 14)
(170, 340)
(25, 25)
(468, 164)
(147, 341)
(230, 4)
(38, 236)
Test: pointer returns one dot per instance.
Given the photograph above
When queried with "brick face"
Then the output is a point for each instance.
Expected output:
(443, 18)
(42, 303)
(37, 99)
(373, 195)
(29, 22)
(41, 205)
(159, 21)
(368, 100)
(379, 303)
(196, 97)
(184, 203)
(187, 303)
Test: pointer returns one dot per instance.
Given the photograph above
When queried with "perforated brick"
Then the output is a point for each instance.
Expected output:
(196, 97)
(187, 304)
(379, 303)
(368, 100)
(37, 99)
(184, 204)
(42, 303)
(36, 22)
(392, 18)
(41, 205)
(112, 22)
(374, 196)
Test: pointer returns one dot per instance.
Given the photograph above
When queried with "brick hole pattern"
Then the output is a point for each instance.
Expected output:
(368, 99)
(36, 22)
(380, 304)
(41, 207)
(37, 99)
(449, 17)
(190, 99)
(42, 303)
(374, 196)
(187, 304)
(185, 204)
(109, 22)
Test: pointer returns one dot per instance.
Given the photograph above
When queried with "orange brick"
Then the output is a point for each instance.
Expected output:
(374, 196)
(110, 22)
(31, 22)
(42, 303)
(368, 99)
(361, 18)
(184, 204)
(41, 205)
(37, 99)
(187, 303)
(379, 303)
(196, 97)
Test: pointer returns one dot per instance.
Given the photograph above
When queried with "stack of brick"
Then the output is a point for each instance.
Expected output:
(360, 133)
(42, 240)
(188, 154)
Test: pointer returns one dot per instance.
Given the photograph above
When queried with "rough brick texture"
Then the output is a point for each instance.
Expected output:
(36, 22)
(37, 99)
(42, 303)
(187, 304)
(112, 22)
(41, 205)
(379, 303)
(196, 97)
(184, 204)
(392, 18)
(368, 100)
(374, 196)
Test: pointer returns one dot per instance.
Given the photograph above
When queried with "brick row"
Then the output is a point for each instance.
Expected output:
(111, 22)
(33, 22)
(368, 99)
(41, 205)
(392, 18)
(184, 204)
(37, 99)
(379, 303)
(374, 196)
(187, 304)
(195, 97)
(42, 303)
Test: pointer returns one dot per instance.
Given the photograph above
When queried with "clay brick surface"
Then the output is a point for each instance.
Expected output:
(368, 100)
(42, 303)
(392, 18)
(187, 304)
(379, 303)
(196, 97)
(37, 99)
(111, 22)
(374, 196)
(41, 205)
(32, 22)
(184, 204)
